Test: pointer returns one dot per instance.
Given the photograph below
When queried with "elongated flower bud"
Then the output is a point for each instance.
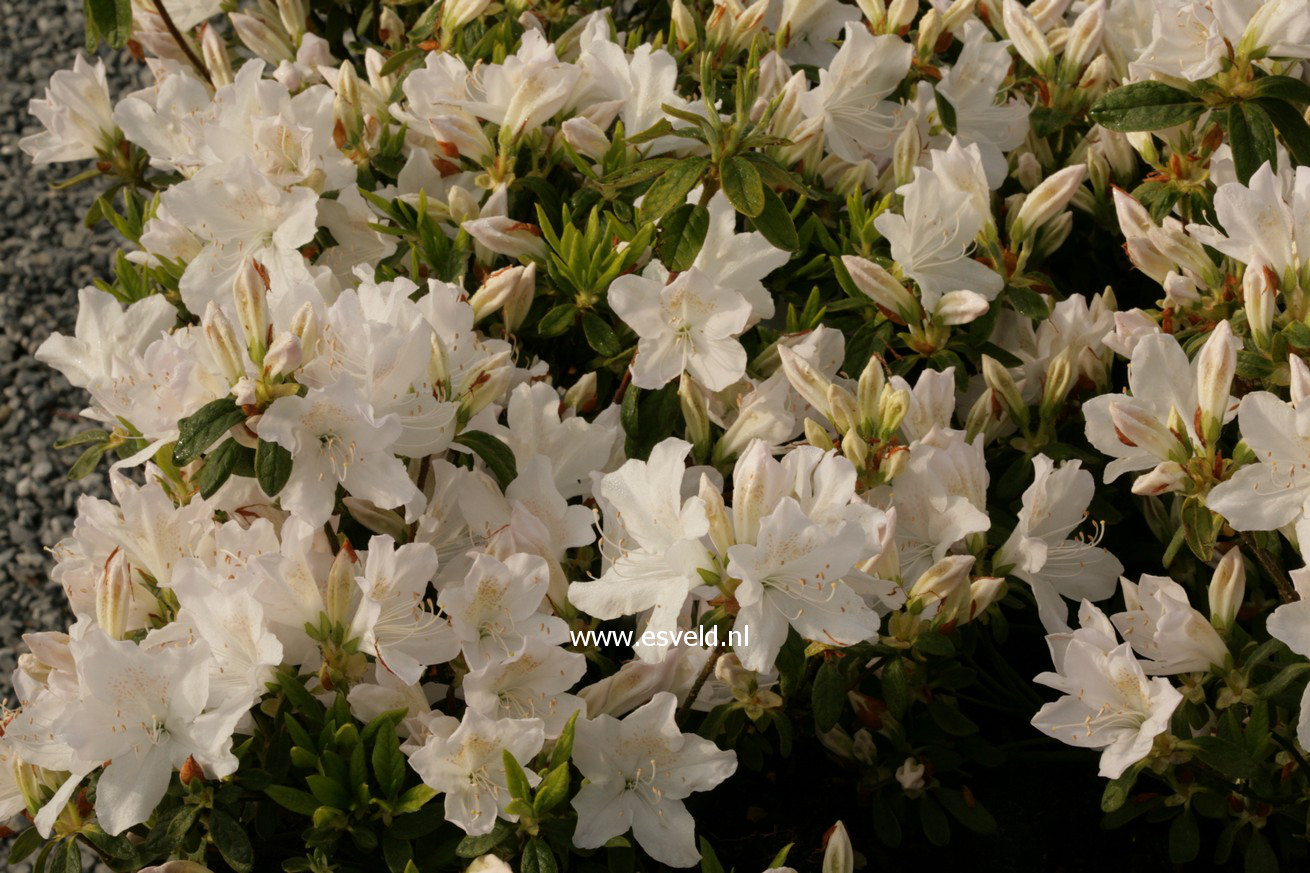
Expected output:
(1259, 298)
(262, 39)
(983, 592)
(842, 408)
(1047, 200)
(999, 379)
(304, 325)
(585, 137)
(1216, 365)
(1300, 380)
(881, 287)
(223, 344)
(838, 855)
(1026, 35)
(213, 51)
(251, 294)
(114, 596)
(809, 383)
(1227, 590)
(869, 392)
(695, 413)
(341, 586)
(1138, 428)
(1084, 39)
(721, 535)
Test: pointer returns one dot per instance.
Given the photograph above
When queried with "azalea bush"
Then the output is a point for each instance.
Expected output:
(541, 433)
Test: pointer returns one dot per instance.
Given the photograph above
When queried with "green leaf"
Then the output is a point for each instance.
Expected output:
(1200, 526)
(1028, 302)
(682, 233)
(896, 687)
(414, 799)
(553, 790)
(1047, 121)
(936, 827)
(742, 185)
(87, 461)
(272, 467)
(709, 861)
(775, 223)
(1184, 838)
(231, 841)
(400, 59)
(639, 172)
(218, 466)
(558, 320)
(828, 696)
(537, 858)
(515, 779)
(98, 435)
(203, 428)
(564, 745)
(671, 188)
(23, 845)
(1228, 758)
(1291, 124)
(965, 809)
(1145, 106)
(1116, 790)
(293, 799)
(1260, 857)
(950, 719)
(113, 20)
(472, 847)
(328, 791)
(388, 763)
(1251, 137)
(945, 112)
(600, 336)
(495, 454)
(1282, 88)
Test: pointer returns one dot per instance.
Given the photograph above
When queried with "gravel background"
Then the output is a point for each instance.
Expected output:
(45, 256)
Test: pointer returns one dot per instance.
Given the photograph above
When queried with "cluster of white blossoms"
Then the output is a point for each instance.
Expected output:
(446, 339)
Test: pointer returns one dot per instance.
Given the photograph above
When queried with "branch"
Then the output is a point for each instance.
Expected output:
(1286, 591)
(701, 680)
(182, 43)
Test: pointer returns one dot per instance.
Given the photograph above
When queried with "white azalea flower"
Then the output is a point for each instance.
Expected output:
(77, 115)
(1161, 624)
(531, 685)
(496, 610)
(638, 772)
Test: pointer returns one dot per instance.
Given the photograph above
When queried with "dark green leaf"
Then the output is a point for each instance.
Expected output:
(950, 719)
(272, 467)
(775, 223)
(742, 185)
(965, 809)
(23, 845)
(515, 779)
(537, 858)
(113, 20)
(682, 233)
(600, 336)
(1047, 121)
(671, 188)
(400, 59)
(472, 847)
(709, 860)
(293, 799)
(1028, 302)
(388, 763)
(896, 687)
(97, 435)
(1145, 106)
(1251, 137)
(828, 696)
(231, 841)
(495, 454)
(1282, 88)
(218, 466)
(1260, 857)
(1184, 838)
(1228, 758)
(936, 827)
(87, 461)
(203, 428)
(552, 791)
(945, 112)
(1292, 126)
(328, 791)
(559, 319)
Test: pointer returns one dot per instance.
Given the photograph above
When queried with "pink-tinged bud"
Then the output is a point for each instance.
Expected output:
(1026, 35)
(881, 287)
(114, 596)
(1227, 590)
(1167, 477)
(983, 592)
(1048, 199)
(960, 307)
(1136, 427)
(505, 236)
(499, 288)
(838, 854)
(1215, 367)
(461, 135)
(221, 338)
(1029, 172)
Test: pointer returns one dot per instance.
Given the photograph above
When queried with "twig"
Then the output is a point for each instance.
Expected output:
(1284, 585)
(182, 43)
(701, 680)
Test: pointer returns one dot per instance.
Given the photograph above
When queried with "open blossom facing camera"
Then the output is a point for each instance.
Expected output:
(533, 429)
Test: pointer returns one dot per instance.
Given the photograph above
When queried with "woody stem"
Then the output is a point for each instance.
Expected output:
(182, 43)
(1272, 568)
(701, 679)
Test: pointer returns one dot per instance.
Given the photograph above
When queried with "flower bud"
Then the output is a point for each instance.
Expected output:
(816, 436)
(505, 236)
(341, 586)
(457, 13)
(986, 417)
(983, 592)
(960, 307)
(439, 368)
(585, 137)
(1166, 478)
(462, 205)
(1047, 199)
(1136, 427)
(391, 28)
(809, 383)
(258, 36)
(910, 776)
(720, 522)
(855, 449)
(838, 854)
(1259, 298)
(684, 24)
(909, 145)
(1180, 291)
(957, 14)
(942, 580)
(489, 864)
(461, 135)
(874, 10)
(1059, 379)
(1227, 589)
(497, 289)
(893, 404)
(114, 596)
(842, 409)
(304, 325)
(1084, 39)
(1000, 380)
(1026, 35)
(292, 14)
(1028, 170)
(251, 294)
(890, 468)
(868, 393)
(221, 338)
(900, 14)
(1215, 367)
(1056, 231)
(581, 396)
(930, 29)
(284, 355)
(485, 382)
(1300, 379)
(695, 414)
(213, 51)
(881, 287)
